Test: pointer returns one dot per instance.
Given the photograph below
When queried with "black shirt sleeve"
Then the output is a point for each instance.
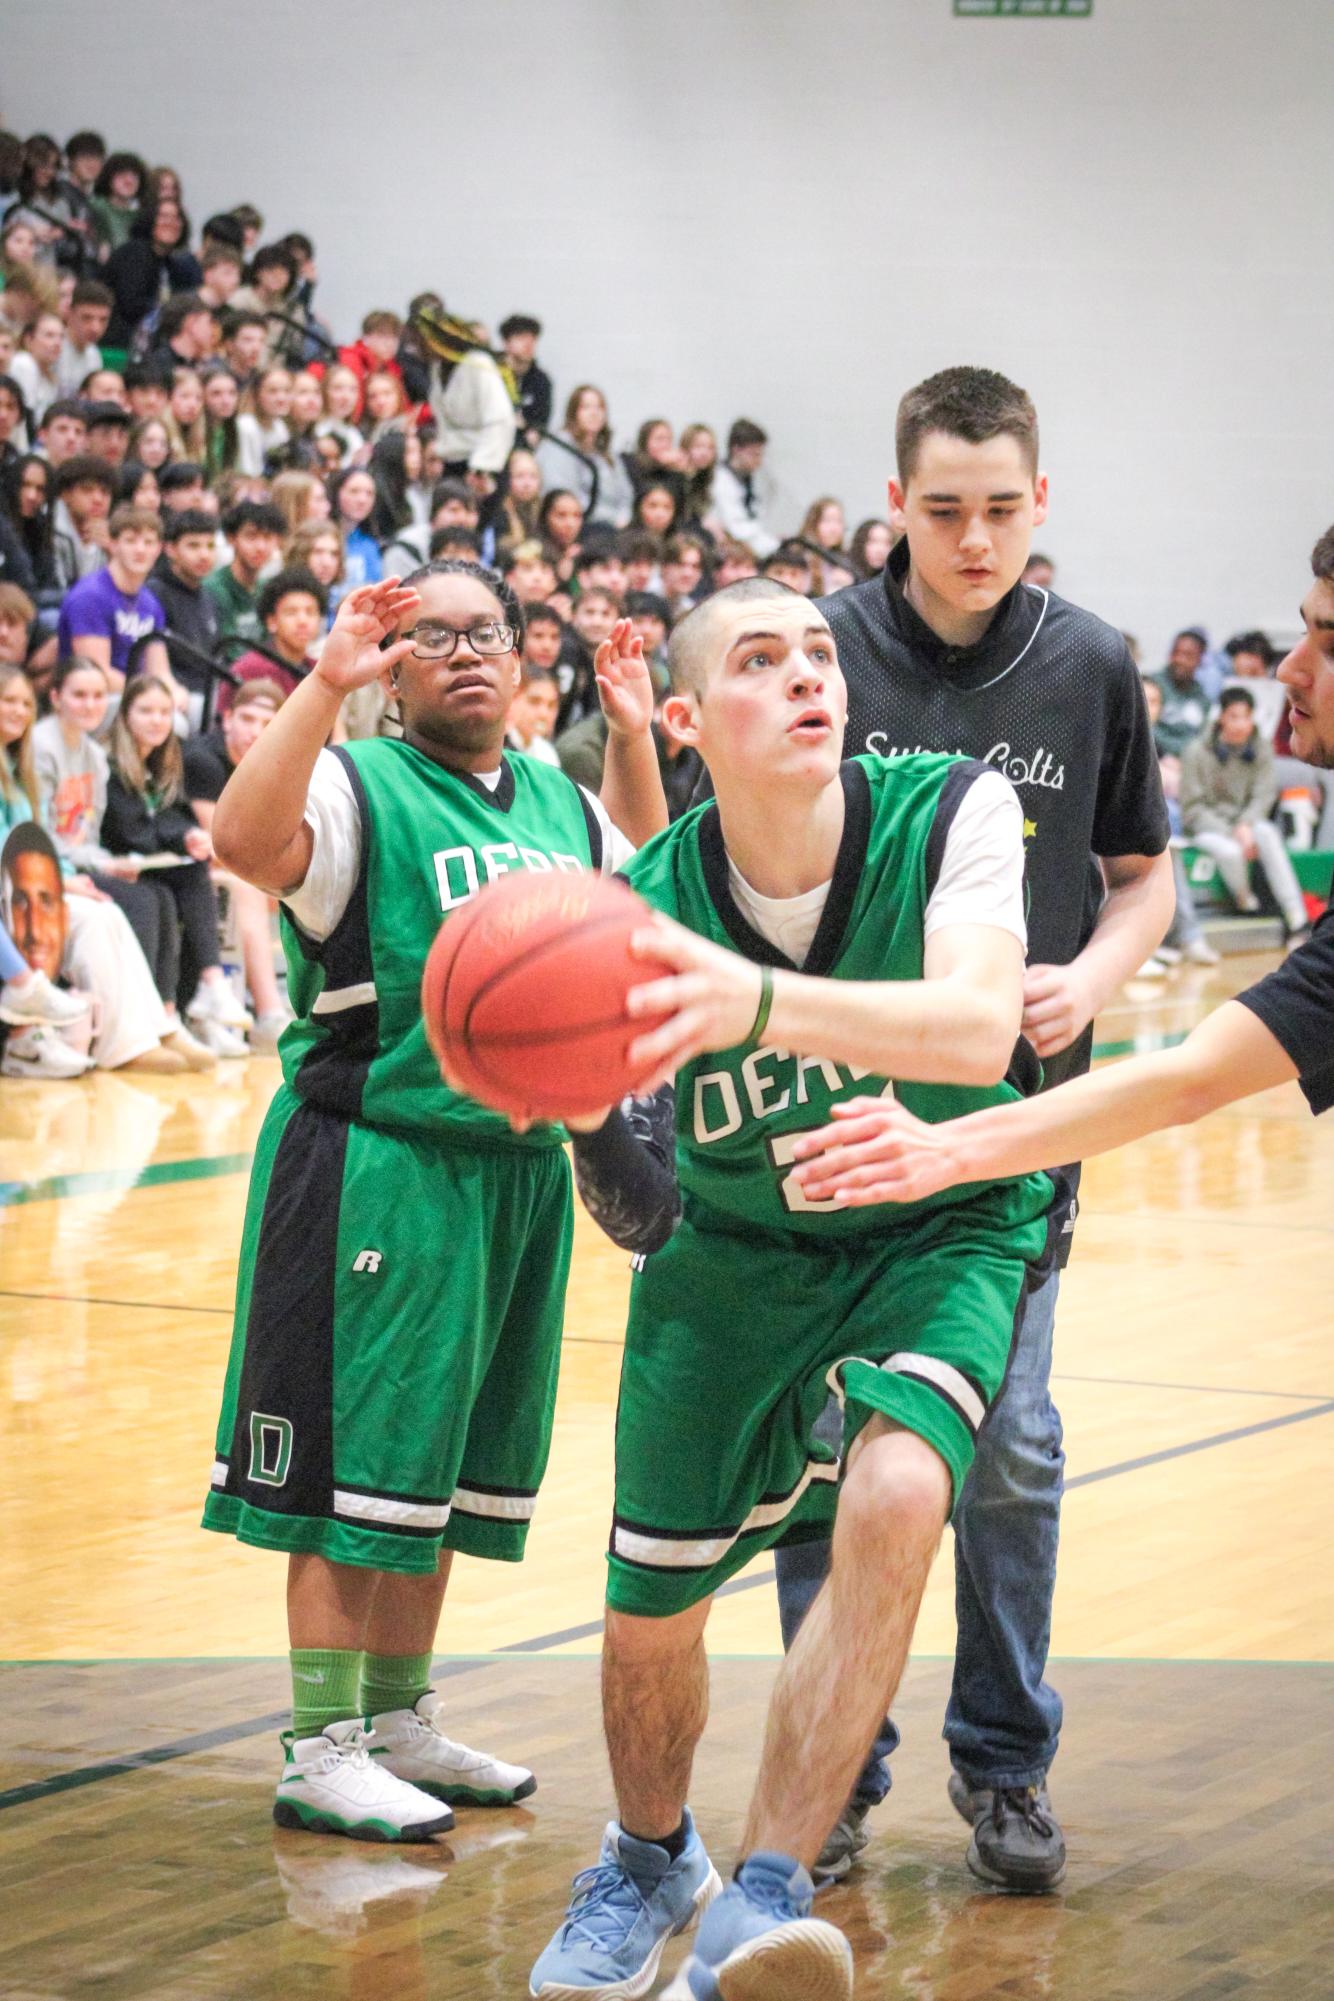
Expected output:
(1296, 1005)
(1130, 817)
(626, 1173)
(206, 772)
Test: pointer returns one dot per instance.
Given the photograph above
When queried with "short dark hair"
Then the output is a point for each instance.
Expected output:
(64, 406)
(287, 584)
(520, 323)
(178, 473)
(83, 470)
(224, 229)
(1322, 558)
(456, 538)
(232, 323)
(603, 549)
(543, 614)
(92, 292)
(638, 545)
(452, 489)
(743, 432)
(253, 514)
(274, 257)
(177, 310)
(1230, 697)
(1251, 642)
(458, 566)
(119, 163)
(85, 142)
(793, 555)
(648, 604)
(151, 374)
(99, 415)
(975, 404)
(219, 252)
(1192, 632)
(187, 521)
(298, 243)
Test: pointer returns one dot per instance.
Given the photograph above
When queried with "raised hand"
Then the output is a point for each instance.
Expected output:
(625, 687)
(351, 656)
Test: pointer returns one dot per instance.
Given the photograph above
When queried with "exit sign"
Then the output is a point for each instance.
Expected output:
(1068, 9)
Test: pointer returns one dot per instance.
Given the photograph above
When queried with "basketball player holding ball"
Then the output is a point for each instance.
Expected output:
(393, 1368)
(832, 927)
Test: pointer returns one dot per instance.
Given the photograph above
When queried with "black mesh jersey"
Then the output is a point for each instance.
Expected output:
(1050, 696)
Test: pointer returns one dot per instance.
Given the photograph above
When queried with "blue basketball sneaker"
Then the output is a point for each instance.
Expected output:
(759, 1942)
(621, 1915)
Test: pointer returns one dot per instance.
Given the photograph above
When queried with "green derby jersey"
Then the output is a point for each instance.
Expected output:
(739, 1111)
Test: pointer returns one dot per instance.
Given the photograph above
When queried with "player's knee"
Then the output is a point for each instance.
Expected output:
(898, 1489)
(632, 1640)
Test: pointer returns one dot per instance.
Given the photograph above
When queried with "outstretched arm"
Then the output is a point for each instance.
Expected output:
(878, 1152)
(259, 827)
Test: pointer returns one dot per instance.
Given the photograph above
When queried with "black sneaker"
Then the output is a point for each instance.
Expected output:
(844, 1846)
(1017, 1841)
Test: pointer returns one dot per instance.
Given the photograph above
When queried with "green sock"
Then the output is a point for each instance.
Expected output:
(324, 1688)
(393, 1681)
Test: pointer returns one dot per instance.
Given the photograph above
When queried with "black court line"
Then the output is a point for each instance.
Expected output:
(143, 1305)
(1201, 1389)
(87, 1775)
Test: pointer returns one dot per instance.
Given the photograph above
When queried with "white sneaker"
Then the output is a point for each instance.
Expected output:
(215, 1001)
(40, 1052)
(1200, 952)
(414, 1747)
(1152, 969)
(39, 1001)
(332, 1785)
(264, 1035)
(218, 1038)
(1169, 955)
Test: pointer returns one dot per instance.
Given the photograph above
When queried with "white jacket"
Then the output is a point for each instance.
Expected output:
(475, 419)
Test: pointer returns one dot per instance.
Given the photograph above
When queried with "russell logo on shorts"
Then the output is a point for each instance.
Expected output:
(368, 1261)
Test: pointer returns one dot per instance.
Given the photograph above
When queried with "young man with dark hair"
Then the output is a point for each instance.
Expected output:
(1279, 1031)
(1229, 788)
(736, 498)
(85, 156)
(543, 630)
(519, 335)
(291, 609)
(84, 488)
(844, 920)
(187, 332)
(109, 430)
(255, 529)
(947, 650)
(148, 388)
(105, 616)
(182, 487)
(789, 564)
(85, 327)
(245, 338)
(222, 269)
(63, 431)
(464, 543)
(177, 581)
(1185, 698)
(599, 567)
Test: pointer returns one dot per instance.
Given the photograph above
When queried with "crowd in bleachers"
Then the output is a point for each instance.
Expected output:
(195, 467)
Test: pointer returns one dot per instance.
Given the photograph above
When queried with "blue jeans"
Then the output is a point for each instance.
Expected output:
(1003, 1722)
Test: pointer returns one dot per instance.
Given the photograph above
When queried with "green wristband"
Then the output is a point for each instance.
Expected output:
(761, 1021)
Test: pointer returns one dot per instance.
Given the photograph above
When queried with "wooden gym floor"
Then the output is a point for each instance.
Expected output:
(143, 1674)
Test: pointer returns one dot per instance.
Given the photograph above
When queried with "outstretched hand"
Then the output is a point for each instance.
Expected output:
(625, 687)
(351, 656)
(874, 1151)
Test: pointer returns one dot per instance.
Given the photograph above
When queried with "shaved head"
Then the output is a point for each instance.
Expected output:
(693, 647)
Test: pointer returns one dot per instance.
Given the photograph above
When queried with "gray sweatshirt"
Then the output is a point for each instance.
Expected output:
(74, 793)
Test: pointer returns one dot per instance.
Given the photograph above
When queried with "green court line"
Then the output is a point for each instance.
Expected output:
(109, 1180)
(275, 1660)
(104, 1181)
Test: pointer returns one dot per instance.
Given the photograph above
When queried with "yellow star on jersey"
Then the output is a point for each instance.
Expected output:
(1030, 830)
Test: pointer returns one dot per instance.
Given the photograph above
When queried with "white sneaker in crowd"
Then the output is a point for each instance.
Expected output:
(1200, 952)
(193, 1053)
(214, 1000)
(40, 1052)
(264, 1035)
(1152, 969)
(39, 1001)
(218, 1038)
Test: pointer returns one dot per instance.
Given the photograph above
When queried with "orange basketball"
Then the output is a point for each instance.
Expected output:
(524, 991)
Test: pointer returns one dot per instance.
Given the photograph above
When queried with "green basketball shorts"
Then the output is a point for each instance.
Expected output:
(396, 1344)
(733, 1346)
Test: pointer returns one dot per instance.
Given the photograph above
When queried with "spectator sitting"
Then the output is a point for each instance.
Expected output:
(317, 546)
(341, 387)
(186, 333)
(657, 459)
(36, 366)
(291, 609)
(222, 437)
(590, 623)
(1185, 703)
(150, 443)
(137, 487)
(532, 715)
(517, 514)
(385, 406)
(1185, 937)
(1228, 790)
(529, 574)
(17, 612)
(147, 390)
(699, 454)
(578, 459)
(456, 545)
(543, 631)
(298, 497)
(147, 814)
(641, 559)
(105, 616)
(822, 533)
(401, 500)
(109, 428)
(27, 557)
(83, 488)
(209, 762)
(254, 528)
(560, 521)
(683, 579)
(116, 196)
(244, 346)
(1252, 661)
(475, 418)
(181, 484)
(190, 612)
(599, 566)
(1039, 570)
(870, 547)
(13, 433)
(222, 265)
(376, 349)
(187, 427)
(269, 289)
(658, 509)
(261, 428)
(650, 615)
(156, 258)
(790, 564)
(519, 335)
(352, 495)
(307, 407)
(736, 495)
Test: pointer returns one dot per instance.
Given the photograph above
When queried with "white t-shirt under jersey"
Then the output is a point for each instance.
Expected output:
(332, 816)
(981, 878)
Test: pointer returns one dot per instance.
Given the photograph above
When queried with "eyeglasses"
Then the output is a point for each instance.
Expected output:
(437, 642)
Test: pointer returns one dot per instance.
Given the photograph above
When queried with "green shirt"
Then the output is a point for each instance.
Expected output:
(237, 616)
(739, 1111)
